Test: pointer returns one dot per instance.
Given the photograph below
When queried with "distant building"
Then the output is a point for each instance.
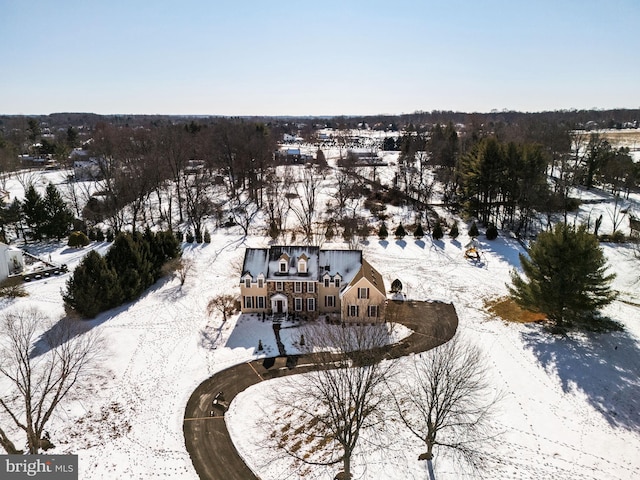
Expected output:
(11, 261)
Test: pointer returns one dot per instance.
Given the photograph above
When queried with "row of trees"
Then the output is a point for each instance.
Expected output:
(38, 217)
(133, 263)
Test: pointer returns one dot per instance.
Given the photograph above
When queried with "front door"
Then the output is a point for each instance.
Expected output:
(279, 304)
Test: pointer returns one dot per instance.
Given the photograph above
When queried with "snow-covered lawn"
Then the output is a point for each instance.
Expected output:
(571, 406)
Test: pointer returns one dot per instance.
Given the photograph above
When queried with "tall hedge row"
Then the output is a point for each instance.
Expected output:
(132, 264)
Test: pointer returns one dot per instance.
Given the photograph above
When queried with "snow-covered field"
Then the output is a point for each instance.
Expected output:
(570, 408)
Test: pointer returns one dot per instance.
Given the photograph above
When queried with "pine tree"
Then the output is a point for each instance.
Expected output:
(58, 216)
(400, 232)
(453, 233)
(93, 287)
(131, 259)
(565, 276)
(419, 232)
(383, 233)
(437, 231)
(473, 230)
(492, 232)
(34, 212)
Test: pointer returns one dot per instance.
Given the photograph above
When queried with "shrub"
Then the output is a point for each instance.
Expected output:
(110, 235)
(383, 233)
(437, 231)
(99, 235)
(473, 230)
(418, 232)
(78, 240)
(190, 237)
(92, 234)
(492, 232)
(207, 236)
(400, 232)
(179, 236)
(453, 233)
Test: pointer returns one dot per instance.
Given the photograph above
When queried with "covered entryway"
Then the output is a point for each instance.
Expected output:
(279, 304)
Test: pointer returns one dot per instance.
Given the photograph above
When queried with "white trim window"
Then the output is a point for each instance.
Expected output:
(260, 283)
(372, 311)
(283, 266)
(302, 266)
(353, 311)
(279, 286)
(247, 282)
(298, 304)
(326, 282)
(261, 302)
(336, 282)
(297, 287)
(363, 292)
(330, 301)
(248, 302)
(311, 304)
(311, 287)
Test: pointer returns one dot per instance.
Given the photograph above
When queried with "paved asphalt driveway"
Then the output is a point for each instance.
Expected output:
(206, 436)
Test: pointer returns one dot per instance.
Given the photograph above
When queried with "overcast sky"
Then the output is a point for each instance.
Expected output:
(317, 57)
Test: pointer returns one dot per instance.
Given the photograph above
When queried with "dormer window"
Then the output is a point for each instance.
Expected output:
(283, 266)
(302, 266)
(336, 281)
(247, 282)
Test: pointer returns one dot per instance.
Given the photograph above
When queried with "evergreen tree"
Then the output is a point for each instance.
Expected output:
(12, 216)
(131, 259)
(93, 287)
(207, 236)
(383, 233)
(565, 276)
(492, 232)
(437, 231)
(400, 232)
(34, 212)
(418, 233)
(473, 230)
(453, 233)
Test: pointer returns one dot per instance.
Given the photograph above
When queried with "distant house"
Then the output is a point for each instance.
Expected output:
(307, 281)
(11, 261)
(87, 169)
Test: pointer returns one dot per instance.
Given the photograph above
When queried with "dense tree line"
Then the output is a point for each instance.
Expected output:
(37, 217)
(133, 263)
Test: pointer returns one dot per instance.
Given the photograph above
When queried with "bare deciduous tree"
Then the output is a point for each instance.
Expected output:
(345, 396)
(224, 303)
(39, 371)
(450, 401)
(306, 207)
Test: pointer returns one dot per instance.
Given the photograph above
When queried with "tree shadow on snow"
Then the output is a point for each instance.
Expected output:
(603, 366)
(383, 243)
(52, 338)
(420, 244)
(401, 243)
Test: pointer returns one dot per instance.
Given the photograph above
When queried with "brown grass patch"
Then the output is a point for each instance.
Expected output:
(507, 309)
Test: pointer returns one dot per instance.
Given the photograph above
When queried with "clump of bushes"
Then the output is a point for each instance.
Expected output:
(133, 263)
(78, 240)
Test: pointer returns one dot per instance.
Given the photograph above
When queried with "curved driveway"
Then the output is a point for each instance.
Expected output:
(206, 436)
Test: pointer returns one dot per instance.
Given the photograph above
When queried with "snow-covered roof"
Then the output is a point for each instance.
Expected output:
(345, 263)
(266, 261)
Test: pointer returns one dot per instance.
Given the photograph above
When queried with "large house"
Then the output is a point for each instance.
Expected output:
(309, 282)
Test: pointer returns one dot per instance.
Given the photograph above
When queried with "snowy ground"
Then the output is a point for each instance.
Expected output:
(571, 406)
